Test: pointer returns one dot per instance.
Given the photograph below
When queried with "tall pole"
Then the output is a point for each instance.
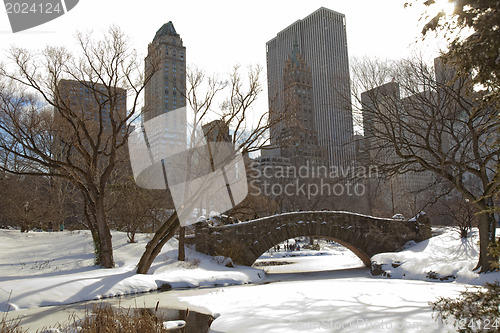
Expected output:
(392, 198)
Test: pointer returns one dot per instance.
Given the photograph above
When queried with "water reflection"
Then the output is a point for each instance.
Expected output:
(196, 322)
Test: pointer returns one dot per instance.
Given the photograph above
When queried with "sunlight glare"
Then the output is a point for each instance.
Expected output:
(446, 6)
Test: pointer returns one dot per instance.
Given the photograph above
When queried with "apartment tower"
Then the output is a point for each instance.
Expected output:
(166, 90)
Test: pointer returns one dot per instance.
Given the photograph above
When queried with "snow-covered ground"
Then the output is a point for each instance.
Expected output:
(57, 268)
(444, 257)
(342, 301)
(41, 268)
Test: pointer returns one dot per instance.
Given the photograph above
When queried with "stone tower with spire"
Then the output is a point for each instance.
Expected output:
(297, 137)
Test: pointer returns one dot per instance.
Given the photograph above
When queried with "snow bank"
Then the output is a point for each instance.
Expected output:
(41, 268)
(445, 257)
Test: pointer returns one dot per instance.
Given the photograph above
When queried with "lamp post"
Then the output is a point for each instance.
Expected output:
(25, 224)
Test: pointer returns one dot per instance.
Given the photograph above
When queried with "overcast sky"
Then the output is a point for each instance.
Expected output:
(220, 34)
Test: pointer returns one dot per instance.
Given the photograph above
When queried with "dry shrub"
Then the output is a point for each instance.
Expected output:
(476, 310)
(190, 263)
(102, 319)
(12, 326)
(105, 319)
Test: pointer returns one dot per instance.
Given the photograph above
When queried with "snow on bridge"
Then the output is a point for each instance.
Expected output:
(364, 235)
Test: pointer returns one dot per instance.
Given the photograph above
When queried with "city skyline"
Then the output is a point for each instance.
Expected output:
(240, 39)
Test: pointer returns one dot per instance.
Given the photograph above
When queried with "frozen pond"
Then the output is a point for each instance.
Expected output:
(329, 292)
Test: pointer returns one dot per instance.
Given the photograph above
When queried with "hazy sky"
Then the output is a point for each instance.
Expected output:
(220, 34)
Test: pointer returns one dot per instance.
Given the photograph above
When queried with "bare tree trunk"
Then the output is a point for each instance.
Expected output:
(153, 248)
(486, 237)
(88, 123)
(105, 250)
(182, 251)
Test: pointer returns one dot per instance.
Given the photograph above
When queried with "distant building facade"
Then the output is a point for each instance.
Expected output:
(406, 192)
(167, 57)
(217, 131)
(95, 108)
(82, 97)
(91, 102)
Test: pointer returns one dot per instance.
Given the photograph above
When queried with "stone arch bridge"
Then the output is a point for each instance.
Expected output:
(364, 235)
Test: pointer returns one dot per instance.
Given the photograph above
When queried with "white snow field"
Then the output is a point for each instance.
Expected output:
(445, 256)
(41, 269)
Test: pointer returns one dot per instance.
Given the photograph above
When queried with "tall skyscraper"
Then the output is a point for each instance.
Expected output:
(167, 57)
(166, 90)
(322, 41)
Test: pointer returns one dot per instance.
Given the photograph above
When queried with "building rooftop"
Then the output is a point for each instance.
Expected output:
(166, 30)
(316, 12)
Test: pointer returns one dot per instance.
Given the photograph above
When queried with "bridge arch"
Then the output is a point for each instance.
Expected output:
(364, 235)
(358, 252)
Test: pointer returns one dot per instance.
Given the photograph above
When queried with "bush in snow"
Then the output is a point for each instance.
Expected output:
(106, 319)
(494, 249)
(221, 260)
(473, 311)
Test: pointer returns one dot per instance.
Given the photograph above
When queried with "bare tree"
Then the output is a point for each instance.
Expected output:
(256, 204)
(23, 202)
(462, 213)
(74, 133)
(248, 128)
(133, 208)
(418, 120)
